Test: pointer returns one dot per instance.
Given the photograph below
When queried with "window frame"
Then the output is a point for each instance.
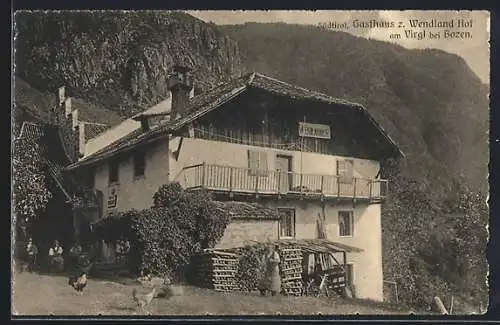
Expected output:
(261, 160)
(111, 167)
(347, 176)
(293, 217)
(350, 213)
(140, 154)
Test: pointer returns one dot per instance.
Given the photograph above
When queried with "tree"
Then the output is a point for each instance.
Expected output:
(31, 193)
(166, 236)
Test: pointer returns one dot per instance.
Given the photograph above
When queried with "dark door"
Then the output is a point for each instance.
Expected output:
(284, 170)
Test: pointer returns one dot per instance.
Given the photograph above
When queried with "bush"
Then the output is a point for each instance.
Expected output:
(433, 247)
(178, 226)
(31, 193)
(250, 266)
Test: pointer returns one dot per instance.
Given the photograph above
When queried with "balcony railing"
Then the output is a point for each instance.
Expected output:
(267, 182)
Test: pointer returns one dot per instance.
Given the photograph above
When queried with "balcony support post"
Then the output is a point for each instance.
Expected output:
(230, 180)
(338, 187)
(354, 189)
(322, 182)
(203, 174)
(279, 182)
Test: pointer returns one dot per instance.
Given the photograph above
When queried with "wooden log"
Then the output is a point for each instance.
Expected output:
(440, 305)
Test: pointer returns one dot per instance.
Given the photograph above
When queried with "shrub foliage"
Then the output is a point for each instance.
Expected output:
(31, 193)
(250, 266)
(432, 247)
(178, 226)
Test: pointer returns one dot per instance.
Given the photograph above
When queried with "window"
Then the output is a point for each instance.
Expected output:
(345, 171)
(345, 223)
(287, 223)
(139, 164)
(113, 172)
(349, 273)
(257, 163)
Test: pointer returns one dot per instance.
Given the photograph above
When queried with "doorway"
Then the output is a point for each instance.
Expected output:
(284, 173)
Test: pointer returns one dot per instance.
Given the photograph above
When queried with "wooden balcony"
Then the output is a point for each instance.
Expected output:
(243, 181)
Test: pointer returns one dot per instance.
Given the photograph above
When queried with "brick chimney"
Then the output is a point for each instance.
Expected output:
(67, 107)
(61, 95)
(81, 139)
(181, 87)
(145, 122)
(74, 119)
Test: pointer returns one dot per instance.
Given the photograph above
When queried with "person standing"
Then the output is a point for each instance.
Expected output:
(272, 280)
(56, 259)
(122, 249)
(32, 252)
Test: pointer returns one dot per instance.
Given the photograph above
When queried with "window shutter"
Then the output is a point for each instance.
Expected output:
(345, 171)
(263, 163)
(340, 167)
(253, 162)
(349, 168)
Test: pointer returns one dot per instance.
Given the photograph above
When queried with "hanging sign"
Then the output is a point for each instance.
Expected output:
(112, 197)
(310, 130)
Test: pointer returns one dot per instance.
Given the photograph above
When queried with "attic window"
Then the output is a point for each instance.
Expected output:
(139, 163)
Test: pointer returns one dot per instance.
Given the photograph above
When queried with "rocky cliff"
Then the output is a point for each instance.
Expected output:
(120, 59)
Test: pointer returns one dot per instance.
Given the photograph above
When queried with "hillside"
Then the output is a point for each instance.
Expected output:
(119, 60)
(34, 105)
(429, 101)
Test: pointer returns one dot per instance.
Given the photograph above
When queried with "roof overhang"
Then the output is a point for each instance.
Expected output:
(254, 80)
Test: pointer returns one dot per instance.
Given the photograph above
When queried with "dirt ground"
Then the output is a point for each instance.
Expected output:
(35, 294)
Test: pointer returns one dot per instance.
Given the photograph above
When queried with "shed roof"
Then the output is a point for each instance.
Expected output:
(202, 104)
(306, 245)
(318, 245)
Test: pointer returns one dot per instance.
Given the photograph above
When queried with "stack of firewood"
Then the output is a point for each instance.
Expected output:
(216, 270)
(291, 271)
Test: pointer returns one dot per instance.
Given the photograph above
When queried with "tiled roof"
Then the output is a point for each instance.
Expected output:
(36, 134)
(92, 130)
(245, 210)
(32, 131)
(216, 97)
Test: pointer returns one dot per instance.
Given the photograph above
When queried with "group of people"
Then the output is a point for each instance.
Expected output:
(270, 282)
(55, 256)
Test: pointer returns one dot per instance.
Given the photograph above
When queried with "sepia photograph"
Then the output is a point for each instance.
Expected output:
(238, 163)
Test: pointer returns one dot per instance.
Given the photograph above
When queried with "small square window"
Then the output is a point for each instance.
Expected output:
(287, 222)
(139, 164)
(113, 172)
(346, 223)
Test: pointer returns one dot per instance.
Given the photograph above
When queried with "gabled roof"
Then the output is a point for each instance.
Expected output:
(92, 130)
(36, 134)
(216, 97)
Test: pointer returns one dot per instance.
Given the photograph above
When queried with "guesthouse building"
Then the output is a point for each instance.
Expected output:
(259, 145)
